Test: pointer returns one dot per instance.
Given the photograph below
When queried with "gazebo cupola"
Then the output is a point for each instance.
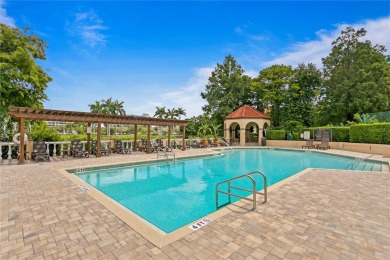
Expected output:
(244, 123)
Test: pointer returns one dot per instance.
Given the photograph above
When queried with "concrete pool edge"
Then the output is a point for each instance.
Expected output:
(150, 232)
(334, 152)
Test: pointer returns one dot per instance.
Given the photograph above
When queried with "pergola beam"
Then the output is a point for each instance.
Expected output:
(26, 113)
(74, 116)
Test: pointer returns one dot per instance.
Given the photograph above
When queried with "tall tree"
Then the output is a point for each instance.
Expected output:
(117, 108)
(171, 113)
(227, 89)
(272, 84)
(160, 112)
(357, 77)
(181, 112)
(97, 107)
(108, 106)
(22, 81)
(302, 94)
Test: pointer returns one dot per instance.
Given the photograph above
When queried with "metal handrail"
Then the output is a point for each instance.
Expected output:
(166, 154)
(253, 191)
(358, 160)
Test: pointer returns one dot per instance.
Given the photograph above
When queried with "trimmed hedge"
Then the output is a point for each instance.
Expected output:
(339, 134)
(275, 135)
(378, 133)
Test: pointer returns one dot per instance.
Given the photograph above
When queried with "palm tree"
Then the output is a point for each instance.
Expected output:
(160, 113)
(117, 108)
(203, 129)
(214, 129)
(171, 113)
(181, 112)
(97, 107)
(108, 107)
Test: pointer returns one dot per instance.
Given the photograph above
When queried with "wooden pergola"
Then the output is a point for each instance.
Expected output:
(26, 113)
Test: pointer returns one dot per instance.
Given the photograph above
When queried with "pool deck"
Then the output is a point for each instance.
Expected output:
(322, 214)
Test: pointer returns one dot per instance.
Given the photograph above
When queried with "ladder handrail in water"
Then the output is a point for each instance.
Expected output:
(253, 191)
(358, 160)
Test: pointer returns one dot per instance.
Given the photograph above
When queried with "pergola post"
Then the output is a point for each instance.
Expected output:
(183, 147)
(148, 143)
(21, 141)
(99, 131)
(169, 137)
(135, 138)
(88, 137)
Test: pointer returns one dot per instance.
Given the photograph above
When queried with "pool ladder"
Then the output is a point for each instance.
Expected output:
(166, 154)
(253, 190)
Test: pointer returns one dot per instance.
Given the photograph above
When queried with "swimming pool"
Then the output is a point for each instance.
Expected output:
(171, 195)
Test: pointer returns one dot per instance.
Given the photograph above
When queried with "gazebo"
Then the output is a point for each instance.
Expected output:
(246, 124)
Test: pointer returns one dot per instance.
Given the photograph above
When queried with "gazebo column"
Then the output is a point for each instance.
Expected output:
(148, 144)
(135, 138)
(21, 141)
(226, 132)
(260, 135)
(99, 132)
(242, 136)
(88, 137)
(169, 137)
(183, 146)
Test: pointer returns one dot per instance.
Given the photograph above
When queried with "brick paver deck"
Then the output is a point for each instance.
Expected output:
(322, 214)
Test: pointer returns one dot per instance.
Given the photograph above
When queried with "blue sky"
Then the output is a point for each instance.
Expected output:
(150, 54)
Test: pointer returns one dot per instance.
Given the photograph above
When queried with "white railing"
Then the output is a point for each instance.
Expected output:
(9, 153)
(64, 145)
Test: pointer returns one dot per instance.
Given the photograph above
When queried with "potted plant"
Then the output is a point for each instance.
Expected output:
(203, 129)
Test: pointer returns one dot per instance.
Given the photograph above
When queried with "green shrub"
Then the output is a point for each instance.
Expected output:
(41, 132)
(276, 135)
(340, 134)
(378, 133)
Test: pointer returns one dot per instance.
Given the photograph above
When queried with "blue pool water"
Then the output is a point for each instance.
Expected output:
(170, 195)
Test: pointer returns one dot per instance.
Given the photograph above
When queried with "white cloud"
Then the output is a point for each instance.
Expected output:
(378, 32)
(250, 36)
(251, 73)
(4, 18)
(89, 28)
(187, 97)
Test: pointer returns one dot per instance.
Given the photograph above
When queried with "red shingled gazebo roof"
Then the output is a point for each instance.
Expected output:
(247, 112)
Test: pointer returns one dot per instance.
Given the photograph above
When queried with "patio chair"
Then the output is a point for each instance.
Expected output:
(102, 150)
(176, 144)
(39, 151)
(144, 146)
(119, 148)
(211, 143)
(324, 145)
(158, 145)
(309, 144)
(194, 143)
(77, 149)
(226, 141)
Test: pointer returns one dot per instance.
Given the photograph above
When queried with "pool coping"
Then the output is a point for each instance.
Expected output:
(153, 234)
